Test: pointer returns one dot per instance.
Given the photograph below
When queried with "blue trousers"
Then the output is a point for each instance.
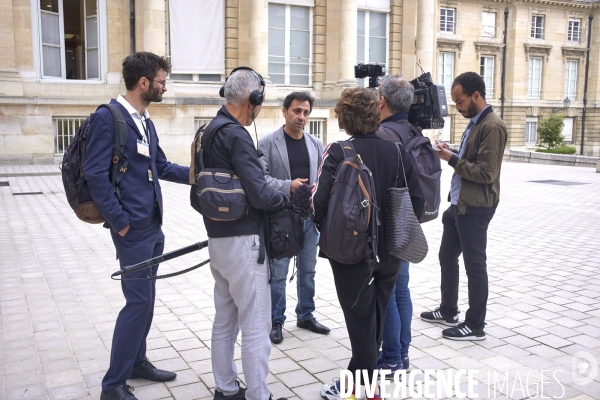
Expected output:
(134, 320)
(396, 331)
(305, 280)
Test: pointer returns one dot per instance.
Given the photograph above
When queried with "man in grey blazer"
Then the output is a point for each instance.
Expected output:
(290, 158)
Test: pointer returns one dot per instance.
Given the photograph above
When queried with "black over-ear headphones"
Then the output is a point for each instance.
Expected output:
(256, 98)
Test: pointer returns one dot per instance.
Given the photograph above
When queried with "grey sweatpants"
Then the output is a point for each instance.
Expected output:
(242, 302)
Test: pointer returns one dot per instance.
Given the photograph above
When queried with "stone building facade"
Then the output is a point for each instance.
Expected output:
(59, 59)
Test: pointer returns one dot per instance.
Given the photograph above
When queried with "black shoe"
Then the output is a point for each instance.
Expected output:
(123, 392)
(463, 332)
(436, 317)
(313, 326)
(281, 398)
(148, 371)
(240, 395)
(276, 334)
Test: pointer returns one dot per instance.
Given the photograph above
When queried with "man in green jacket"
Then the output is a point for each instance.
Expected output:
(474, 196)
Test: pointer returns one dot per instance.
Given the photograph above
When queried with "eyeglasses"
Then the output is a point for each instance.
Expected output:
(162, 83)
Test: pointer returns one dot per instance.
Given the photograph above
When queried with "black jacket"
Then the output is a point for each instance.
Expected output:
(381, 157)
(233, 148)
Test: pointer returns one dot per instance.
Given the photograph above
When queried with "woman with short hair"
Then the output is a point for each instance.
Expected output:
(364, 305)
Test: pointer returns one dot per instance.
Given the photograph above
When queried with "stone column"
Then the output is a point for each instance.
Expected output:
(426, 34)
(319, 37)
(154, 39)
(10, 81)
(7, 45)
(348, 26)
(259, 38)
(232, 35)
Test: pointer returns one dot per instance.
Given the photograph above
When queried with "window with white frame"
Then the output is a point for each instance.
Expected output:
(64, 129)
(189, 42)
(290, 55)
(537, 26)
(446, 71)
(486, 70)
(488, 24)
(199, 121)
(571, 79)
(69, 38)
(574, 32)
(534, 87)
(531, 130)
(371, 43)
(316, 127)
(447, 19)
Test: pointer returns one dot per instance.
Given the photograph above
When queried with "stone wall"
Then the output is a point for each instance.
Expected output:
(28, 104)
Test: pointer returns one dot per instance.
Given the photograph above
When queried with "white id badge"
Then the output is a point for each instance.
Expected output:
(143, 148)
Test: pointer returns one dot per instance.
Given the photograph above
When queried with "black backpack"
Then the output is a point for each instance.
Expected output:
(76, 188)
(283, 229)
(424, 158)
(221, 175)
(349, 234)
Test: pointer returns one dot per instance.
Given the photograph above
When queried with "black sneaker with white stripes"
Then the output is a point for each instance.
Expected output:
(463, 332)
(436, 317)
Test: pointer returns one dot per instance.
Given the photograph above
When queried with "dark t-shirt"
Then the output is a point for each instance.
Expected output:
(298, 157)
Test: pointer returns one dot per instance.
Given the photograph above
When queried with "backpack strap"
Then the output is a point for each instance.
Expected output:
(403, 129)
(414, 131)
(207, 137)
(347, 148)
(118, 147)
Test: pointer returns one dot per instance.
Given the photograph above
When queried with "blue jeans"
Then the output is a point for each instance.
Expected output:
(305, 278)
(396, 331)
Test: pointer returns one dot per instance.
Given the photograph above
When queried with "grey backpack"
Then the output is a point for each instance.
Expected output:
(349, 234)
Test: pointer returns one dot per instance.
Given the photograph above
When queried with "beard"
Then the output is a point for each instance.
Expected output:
(471, 110)
(152, 95)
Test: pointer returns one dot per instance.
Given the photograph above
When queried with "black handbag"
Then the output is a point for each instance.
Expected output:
(285, 233)
(405, 239)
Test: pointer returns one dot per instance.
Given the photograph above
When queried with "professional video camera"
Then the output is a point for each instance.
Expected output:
(373, 71)
(429, 104)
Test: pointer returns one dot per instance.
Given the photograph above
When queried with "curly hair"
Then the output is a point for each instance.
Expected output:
(471, 82)
(357, 112)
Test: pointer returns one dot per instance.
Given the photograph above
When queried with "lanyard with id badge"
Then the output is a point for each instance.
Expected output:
(143, 148)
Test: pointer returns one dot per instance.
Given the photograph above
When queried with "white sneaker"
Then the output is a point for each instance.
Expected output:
(331, 391)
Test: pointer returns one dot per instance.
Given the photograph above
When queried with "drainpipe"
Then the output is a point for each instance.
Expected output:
(503, 78)
(131, 26)
(585, 83)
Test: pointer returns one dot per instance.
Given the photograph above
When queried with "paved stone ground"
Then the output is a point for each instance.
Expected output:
(58, 304)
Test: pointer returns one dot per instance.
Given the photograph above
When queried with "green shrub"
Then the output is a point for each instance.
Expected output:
(550, 131)
(558, 150)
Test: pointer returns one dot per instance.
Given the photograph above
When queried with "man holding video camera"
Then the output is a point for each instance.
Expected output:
(238, 259)
(291, 158)
(474, 196)
(395, 97)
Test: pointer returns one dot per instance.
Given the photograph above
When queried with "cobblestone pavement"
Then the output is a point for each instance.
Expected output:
(58, 304)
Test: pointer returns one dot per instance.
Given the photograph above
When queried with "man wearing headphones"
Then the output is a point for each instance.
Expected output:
(238, 260)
